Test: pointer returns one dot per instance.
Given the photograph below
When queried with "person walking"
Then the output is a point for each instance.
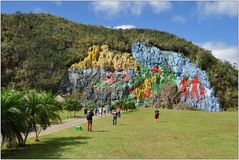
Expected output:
(104, 111)
(89, 118)
(100, 111)
(118, 111)
(114, 113)
(156, 115)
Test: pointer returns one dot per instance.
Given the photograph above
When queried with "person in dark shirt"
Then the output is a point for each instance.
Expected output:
(156, 115)
(89, 118)
(114, 113)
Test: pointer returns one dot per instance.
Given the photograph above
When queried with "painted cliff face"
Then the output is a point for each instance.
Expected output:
(106, 76)
(199, 89)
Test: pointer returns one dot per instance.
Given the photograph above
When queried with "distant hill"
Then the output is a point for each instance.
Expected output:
(37, 49)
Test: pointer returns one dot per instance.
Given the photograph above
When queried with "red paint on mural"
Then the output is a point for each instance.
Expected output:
(184, 90)
(195, 83)
(156, 70)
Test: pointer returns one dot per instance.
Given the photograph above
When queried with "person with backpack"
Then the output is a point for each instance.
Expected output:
(89, 118)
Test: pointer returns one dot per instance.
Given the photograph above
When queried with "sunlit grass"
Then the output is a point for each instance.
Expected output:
(178, 134)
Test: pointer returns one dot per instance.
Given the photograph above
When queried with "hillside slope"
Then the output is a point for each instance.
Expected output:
(37, 49)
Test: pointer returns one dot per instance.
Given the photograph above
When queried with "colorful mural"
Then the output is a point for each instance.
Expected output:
(106, 76)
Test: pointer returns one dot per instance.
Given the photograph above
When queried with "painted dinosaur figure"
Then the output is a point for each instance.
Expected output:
(184, 90)
(195, 83)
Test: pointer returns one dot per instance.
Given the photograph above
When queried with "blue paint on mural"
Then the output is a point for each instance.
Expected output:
(152, 56)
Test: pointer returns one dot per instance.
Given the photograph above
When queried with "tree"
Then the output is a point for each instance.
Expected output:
(72, 105)
(125, 104)
(129, 105)
(23, 111)
(37, 49)
(41, 108)
(13, 123)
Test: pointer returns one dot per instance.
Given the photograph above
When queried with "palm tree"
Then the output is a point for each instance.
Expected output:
(13, 122)
(41, 109)
(48, 112)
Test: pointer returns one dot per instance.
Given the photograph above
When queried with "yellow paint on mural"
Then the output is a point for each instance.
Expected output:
(143, 87)
(101, 57)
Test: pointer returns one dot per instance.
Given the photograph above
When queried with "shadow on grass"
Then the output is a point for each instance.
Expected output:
(100, 131)
(47, 148)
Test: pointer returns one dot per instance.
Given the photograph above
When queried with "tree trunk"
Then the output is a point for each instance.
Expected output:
(26, 135)
(20, 140)
(25, 138)
(70, 114)
(38, 133)
(35, 128)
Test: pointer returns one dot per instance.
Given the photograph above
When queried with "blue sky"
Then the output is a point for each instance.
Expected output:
(212, 25)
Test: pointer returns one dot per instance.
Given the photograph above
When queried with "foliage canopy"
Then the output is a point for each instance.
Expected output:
(37, 49)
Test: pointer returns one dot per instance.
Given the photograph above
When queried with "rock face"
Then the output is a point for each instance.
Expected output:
(96, 83)
(148, 76)
(152, 56)
(167, 96)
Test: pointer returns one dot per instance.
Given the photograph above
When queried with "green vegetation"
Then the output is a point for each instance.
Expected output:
(66, 114)
(23, 112)
(32, 111)
(37, 49)
(125, 104)
(178, 134)
(72, 105)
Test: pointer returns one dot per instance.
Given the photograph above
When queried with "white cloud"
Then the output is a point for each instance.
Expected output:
(58, 3)
(217, 8)
(125, 26)
(178, 19)
(159, 7)
(136, 7)
(222, 51)
(110, 9)
(39, 10)
(113, 9)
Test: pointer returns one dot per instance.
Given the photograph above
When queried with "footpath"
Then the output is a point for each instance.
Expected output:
(64, 124)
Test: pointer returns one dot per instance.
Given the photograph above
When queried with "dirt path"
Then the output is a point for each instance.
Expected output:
(64, 124)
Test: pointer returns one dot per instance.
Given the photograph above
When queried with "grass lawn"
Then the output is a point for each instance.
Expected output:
(178, 134)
